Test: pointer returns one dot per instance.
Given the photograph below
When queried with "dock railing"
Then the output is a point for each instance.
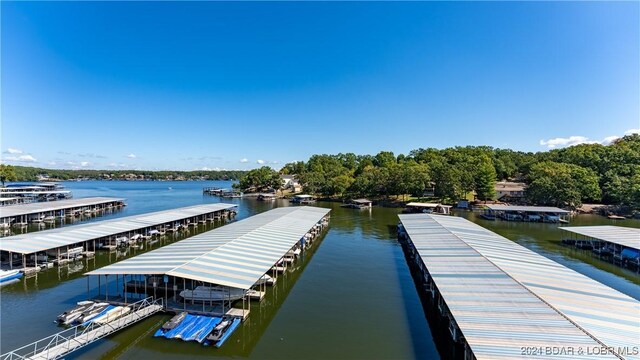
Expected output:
(74, 338)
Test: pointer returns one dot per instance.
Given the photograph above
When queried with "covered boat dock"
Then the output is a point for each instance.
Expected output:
(501, 300)
(36, 211)
(69, 242)
(547, 214)
(427, 208)
(229, 260)
(620, 243)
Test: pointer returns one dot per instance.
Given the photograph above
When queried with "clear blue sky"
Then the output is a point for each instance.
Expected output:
(228, 85)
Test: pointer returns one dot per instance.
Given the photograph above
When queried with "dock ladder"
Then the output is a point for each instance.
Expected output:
(77, 337)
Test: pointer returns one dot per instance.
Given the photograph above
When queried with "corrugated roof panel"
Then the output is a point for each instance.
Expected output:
(504, 296)
(256, 250)
(34, 208)
(625, 236)
(539, 209)
(67, 236)
(235, 255)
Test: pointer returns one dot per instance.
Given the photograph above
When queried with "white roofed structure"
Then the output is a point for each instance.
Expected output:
(625, 236)
(504, 297)
(236, 255)
(35, 242)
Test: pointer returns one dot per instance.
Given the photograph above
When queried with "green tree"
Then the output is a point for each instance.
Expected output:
(485, 180)
(560, 184)
(261, 179)
(7, 173)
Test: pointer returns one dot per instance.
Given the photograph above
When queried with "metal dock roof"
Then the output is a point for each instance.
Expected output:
(50, 239)
(504, 296)
(625, 236)
(38, 207)
(235, 255)
(538, 209)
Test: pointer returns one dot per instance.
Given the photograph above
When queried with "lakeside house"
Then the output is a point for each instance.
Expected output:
(508, 191)
(289, 182)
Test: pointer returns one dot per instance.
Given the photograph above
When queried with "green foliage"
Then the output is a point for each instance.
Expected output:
(562, 184)
(261, 179)
(7, 173)
(24, 173)
(564, 177)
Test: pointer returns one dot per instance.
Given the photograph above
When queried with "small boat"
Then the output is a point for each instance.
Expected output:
(92, 312)
(113, 314)
(488, 217)
(38, 220)
(616, 217)
(175, 321)
(219, 330)
(4, 225)
(265, 279)
(134, 239)
(226, 332)
(295, 252)
(21, 224)
(70, 316)
(7, 275)
(212, 293)
(49, 219)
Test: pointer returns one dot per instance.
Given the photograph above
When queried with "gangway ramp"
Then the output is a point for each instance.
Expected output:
(63, 343)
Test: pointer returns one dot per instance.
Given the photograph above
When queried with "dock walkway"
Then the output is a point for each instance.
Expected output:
(63, 343)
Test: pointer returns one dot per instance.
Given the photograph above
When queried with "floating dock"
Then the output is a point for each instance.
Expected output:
(504, 301)
(236, 256)
(29, 212)
(70, 242)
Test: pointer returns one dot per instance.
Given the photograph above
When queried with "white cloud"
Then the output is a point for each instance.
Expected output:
(576, 140)
(204, 168)
(131, 156)
(85, 163)
(21, 158)
(609, 139)
(571, 140)
(70, 163)
(52, 163)
(244, 160)
(13, 151)
(260, 162)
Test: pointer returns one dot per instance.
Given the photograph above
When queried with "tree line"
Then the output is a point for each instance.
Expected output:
(564, 177)
(25, 173)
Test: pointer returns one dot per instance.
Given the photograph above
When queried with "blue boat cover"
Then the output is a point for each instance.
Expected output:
(228, 333)
(630, 254)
